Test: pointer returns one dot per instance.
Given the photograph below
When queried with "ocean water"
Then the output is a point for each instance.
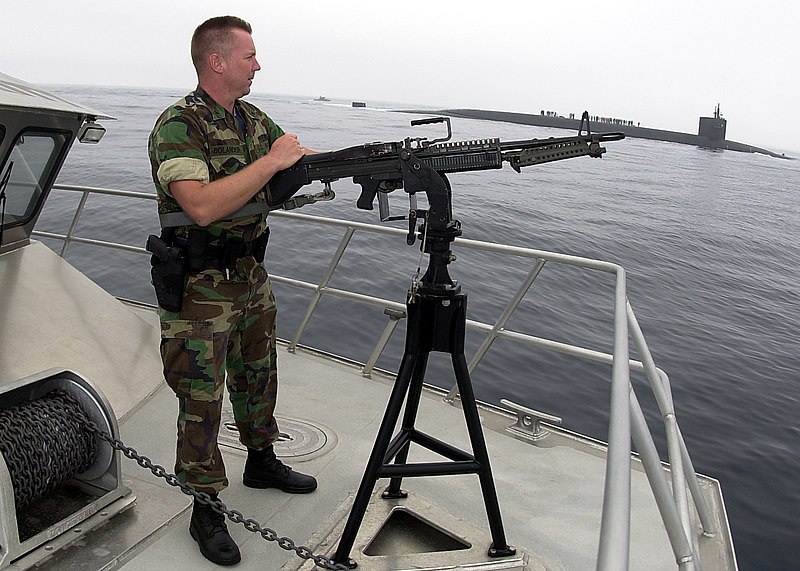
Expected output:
(710, 241)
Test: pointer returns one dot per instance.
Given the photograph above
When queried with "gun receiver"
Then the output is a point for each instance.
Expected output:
(413, 164)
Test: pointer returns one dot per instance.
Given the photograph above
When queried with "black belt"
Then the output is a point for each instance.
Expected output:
(222, 254)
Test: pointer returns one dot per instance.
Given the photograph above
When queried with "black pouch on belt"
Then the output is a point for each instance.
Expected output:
(260, 246)
(197, 250)
(168, 270)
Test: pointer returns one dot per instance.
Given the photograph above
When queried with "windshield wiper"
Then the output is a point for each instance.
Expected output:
(3, 185)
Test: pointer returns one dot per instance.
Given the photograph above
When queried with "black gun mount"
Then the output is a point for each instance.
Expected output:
(421, 165)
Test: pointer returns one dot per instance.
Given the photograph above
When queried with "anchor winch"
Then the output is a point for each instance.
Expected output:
(55, 473)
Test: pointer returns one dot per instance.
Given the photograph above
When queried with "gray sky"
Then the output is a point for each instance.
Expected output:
(661, 64)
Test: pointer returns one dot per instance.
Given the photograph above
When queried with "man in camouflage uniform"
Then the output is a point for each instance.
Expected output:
(212, 153)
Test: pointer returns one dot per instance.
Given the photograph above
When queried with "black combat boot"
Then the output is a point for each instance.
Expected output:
(208, 529)
(264, 470)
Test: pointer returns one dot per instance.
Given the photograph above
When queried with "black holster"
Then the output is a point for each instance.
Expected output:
(169, 267)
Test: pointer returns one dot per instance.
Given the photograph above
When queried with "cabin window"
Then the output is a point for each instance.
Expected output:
(26, 173)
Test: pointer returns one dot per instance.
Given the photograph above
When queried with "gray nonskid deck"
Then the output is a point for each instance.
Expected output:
(550, 498)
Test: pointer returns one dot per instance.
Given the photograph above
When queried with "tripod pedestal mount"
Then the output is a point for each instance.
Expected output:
(436, 322)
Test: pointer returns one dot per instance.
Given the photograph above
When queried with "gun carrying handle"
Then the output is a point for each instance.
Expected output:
(431, 120)
(613, 136)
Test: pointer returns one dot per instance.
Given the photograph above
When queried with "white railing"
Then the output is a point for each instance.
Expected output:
(626, 418)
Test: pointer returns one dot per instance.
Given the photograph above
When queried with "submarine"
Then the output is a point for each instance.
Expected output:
(711, 131)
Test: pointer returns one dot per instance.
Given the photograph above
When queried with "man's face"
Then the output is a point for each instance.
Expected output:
(240, 63)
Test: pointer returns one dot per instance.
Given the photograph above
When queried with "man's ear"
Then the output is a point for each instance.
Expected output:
(216, 63)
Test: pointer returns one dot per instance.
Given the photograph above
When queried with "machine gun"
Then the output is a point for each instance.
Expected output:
(420, 165)
(417, 164)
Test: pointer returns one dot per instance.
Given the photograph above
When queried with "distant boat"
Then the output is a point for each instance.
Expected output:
(359, 104)
(322, 98)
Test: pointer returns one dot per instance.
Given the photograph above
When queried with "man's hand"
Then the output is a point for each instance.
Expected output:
(285, 151)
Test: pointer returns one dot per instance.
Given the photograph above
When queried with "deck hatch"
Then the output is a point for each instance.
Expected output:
(299, 439)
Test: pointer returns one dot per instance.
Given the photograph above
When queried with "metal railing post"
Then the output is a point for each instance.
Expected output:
(337, 256)
(500, 323)
(659, 384)
(74, 224)
(394, 319)
(614, 548)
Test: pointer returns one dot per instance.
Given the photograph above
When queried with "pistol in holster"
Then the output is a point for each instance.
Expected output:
(169, 267)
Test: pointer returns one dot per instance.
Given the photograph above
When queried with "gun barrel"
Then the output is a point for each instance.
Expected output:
(554, 152)
(534, 143)
(537, 151)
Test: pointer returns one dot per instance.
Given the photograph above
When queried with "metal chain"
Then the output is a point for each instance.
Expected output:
(203, 498)
(43, 445)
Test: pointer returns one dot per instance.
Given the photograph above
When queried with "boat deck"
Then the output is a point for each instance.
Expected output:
(546, 492)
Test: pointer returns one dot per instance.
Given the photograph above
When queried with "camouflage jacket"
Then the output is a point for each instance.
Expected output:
(197, 139)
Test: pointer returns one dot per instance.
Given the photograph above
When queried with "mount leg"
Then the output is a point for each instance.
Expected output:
(411, 365)
(407, 428)
(499, 546)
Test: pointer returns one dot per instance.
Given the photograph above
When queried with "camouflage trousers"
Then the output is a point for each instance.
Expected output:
(224, 334)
